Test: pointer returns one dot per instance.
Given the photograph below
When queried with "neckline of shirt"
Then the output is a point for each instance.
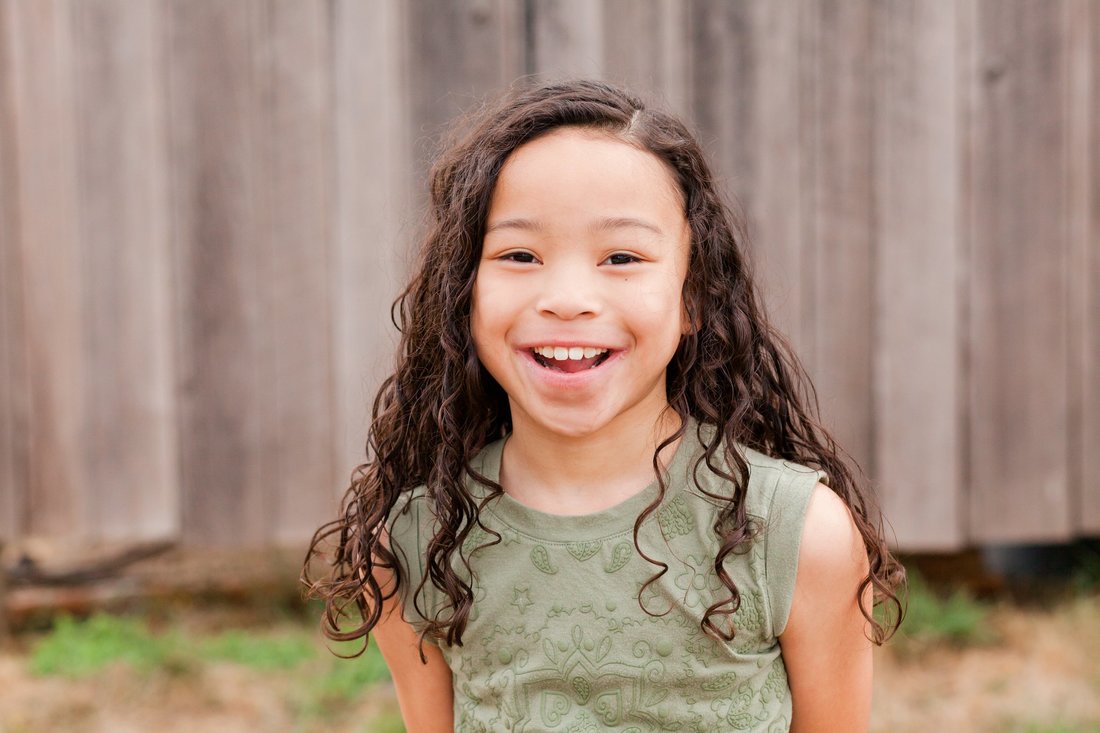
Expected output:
(613, 521)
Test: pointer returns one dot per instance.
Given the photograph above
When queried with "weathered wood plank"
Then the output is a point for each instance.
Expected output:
(41, 52)
(1019, 247)
(567, 38)
(646, 48)
(747, 96)
(213, 220)
(917, 339)
(459, 52)
(14, 388)
(372, 211)
(1085, 262)
(837, 247)
(293, 163)
(131, 439)
(640, 44)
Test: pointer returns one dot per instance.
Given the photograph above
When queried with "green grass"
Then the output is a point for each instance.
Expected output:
(78, 648)
(82, 648)
(1055, 727)
(327, 685)
(258, 652)
(936, 618)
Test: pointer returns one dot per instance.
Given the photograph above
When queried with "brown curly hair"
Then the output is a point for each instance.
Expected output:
(440, 406)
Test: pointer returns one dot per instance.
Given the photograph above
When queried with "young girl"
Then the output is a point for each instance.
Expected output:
(595, 495)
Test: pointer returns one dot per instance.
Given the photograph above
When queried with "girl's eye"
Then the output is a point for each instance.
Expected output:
(621, 258)
(525, 257)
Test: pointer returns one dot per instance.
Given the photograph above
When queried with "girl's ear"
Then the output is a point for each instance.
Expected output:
(688, 323)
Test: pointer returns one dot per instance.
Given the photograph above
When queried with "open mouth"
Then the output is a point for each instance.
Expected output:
(570, 360)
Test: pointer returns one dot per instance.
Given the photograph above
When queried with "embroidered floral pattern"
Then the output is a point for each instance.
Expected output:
(561, 642)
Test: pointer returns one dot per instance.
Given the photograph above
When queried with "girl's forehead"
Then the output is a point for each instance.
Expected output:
(581, 169)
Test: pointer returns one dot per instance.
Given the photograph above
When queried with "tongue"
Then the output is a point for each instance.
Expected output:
(571, 365)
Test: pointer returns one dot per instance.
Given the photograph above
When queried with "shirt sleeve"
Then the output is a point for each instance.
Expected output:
(786, 517)
(409, 535)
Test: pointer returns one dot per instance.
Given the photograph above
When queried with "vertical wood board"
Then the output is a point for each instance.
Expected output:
(459, 53)
(746, 102)
(293, 164)
(838, 247)
(58, 494)
(213, 190)
(130, 439)
(567, 38)
(1018, 285)
(1084, 157)
(374, 221)
(918, 440)
(14, 388)
(646, 48)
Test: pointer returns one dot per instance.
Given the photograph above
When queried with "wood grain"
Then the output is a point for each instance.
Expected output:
(214, 237)
(1084, 271)
(568, 38)
(837, 245)
(1017, 274)
(130, 439)
(917, 336)
(746, 92)
(458, 53)
(58, 496)
(292, 120)
(206, 209)
(374, 222)
(14, 388)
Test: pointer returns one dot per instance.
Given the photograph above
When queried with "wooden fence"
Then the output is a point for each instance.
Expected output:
(206, 208)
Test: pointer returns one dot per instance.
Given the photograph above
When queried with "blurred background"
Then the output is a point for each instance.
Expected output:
(208, 206)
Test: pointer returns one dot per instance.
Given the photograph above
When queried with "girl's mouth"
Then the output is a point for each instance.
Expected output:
(570, 359)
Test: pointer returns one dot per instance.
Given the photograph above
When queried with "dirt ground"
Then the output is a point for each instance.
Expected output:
(1041, 675)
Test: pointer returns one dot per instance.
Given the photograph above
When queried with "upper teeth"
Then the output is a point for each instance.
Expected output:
(561, 353)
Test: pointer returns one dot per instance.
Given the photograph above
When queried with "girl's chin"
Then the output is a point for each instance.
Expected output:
(579, 423)
(564, 423)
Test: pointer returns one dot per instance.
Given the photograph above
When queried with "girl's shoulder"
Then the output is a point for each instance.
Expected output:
(774, 484)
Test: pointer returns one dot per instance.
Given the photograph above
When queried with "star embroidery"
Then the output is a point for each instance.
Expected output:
(521, 598)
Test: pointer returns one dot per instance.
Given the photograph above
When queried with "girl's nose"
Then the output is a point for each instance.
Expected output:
(568, 293)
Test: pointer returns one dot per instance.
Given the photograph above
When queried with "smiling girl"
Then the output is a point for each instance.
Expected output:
(595, 497)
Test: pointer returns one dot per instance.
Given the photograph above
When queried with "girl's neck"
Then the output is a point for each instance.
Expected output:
(572, 476)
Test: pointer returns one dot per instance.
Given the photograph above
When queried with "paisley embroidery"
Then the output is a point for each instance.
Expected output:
(675, 518)
(620, 556)
(583, 688)
(583, 550)
(540, 558)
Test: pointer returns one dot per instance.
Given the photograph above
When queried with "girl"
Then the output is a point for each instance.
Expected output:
(595, 495)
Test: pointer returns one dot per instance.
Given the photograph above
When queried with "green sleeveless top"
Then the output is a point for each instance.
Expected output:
(557, 639)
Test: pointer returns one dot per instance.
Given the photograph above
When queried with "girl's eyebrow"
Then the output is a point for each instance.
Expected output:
(626, 222)
(614, 222)
(521, 224)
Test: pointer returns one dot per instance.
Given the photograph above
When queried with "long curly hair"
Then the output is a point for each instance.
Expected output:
(733, 372)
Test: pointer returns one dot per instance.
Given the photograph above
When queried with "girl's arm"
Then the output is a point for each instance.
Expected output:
(424, 690)
(825, 644)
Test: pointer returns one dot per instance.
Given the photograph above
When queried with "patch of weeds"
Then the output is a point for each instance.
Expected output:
(385, 723)
(81, 648)
(1085, 579)
(956, 619)
(258, 652)
(343, 682)
(1054, 727)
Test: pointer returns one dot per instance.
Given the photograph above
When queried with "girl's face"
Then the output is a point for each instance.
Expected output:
(577, 306)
